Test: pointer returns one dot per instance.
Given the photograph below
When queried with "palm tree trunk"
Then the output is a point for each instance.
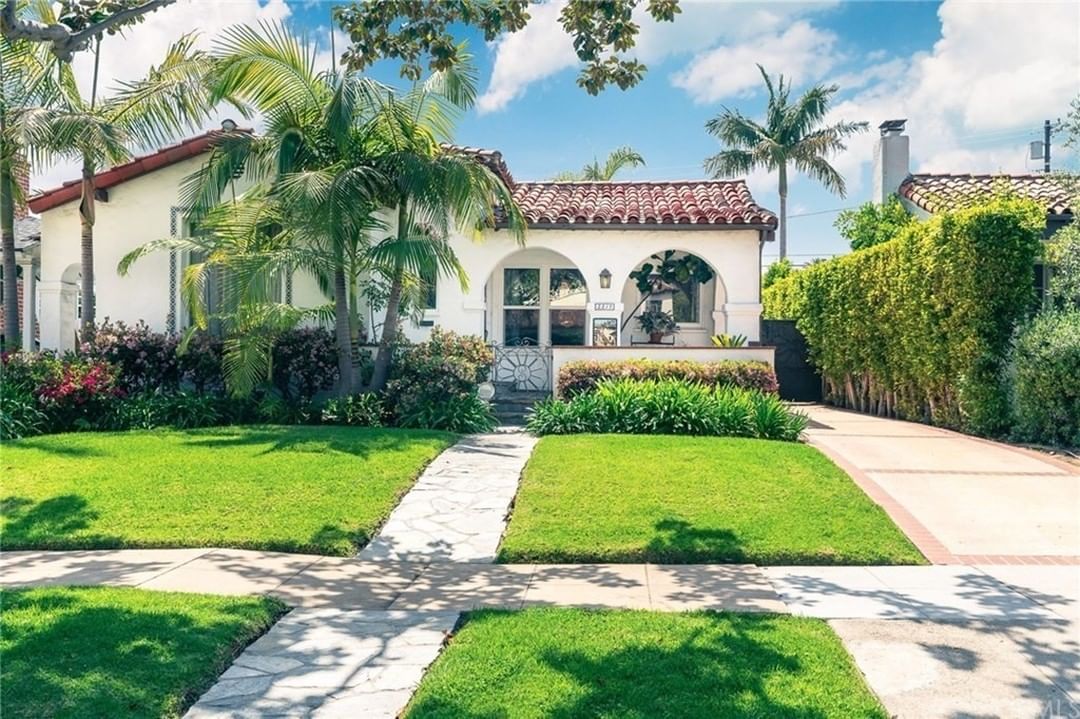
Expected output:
(783, 211)
(86, 217)
(389, 334)
(341, 332)
(7, 231)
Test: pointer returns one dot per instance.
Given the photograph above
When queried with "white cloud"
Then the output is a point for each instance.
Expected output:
(802, 52)
(973, 101)
(543, 48)
(127, 57)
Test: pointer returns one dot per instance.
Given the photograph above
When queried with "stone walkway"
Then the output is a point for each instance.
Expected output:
(961, 499)
(457, 510)
(364, 656)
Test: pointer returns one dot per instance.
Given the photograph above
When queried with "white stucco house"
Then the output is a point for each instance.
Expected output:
(568, 288)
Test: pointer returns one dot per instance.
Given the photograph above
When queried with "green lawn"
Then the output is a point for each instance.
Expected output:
(620, 498)
(570, 663)
(299, 489)
(108, 652)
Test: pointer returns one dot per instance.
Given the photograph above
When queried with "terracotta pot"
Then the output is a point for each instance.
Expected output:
(656, 337)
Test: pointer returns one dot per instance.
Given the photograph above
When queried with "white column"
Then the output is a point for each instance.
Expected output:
(29, 318)
(742, 318)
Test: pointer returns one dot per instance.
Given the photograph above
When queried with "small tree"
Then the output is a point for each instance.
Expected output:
(871, 224)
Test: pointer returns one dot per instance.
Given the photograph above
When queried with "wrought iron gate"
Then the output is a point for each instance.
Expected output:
(527, 366)
(799, 381)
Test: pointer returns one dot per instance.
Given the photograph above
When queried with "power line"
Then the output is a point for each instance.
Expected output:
(820, 212)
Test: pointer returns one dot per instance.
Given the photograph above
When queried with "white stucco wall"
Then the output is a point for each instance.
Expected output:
(138, 211)
(734, 255)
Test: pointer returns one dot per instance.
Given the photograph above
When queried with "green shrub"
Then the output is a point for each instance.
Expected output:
(149, 410)
(434, 383)
(359, 410)
(20, 415)
(668, 406)
(919, 326)
(1044, 379)
(583, 375)
(461, 413)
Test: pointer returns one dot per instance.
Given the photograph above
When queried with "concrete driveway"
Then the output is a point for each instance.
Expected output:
(962, 500)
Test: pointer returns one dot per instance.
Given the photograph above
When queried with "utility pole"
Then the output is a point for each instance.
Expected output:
(1046, 145)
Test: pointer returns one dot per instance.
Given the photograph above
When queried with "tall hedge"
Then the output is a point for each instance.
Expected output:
(918, 327)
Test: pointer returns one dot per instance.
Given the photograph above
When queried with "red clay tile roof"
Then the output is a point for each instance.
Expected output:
(141, 165)
(681, 202)
(935, 193)
(678, 202)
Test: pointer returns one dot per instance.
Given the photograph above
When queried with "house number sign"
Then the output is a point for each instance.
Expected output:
(602, 306)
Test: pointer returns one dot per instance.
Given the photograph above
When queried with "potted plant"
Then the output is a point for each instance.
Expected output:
(657, 324)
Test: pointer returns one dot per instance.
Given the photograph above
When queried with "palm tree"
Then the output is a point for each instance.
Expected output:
(308, 157)
(791, 134)
(434, 188)
(619, 159)
(27, 78)
(99, 132)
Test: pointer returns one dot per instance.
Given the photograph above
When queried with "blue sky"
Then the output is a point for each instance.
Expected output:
(975, 81)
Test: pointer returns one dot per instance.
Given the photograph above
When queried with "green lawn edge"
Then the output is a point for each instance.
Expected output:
(557, 662)
(574, 486)
(120, 651)
(62, 505)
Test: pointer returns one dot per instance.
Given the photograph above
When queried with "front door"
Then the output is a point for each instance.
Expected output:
(543, 306)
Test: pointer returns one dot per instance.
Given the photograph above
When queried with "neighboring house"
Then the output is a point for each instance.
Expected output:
(924, 194)
(569, 286)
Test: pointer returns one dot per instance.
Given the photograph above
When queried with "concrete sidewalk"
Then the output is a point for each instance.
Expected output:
(961, 499)
(991, 592)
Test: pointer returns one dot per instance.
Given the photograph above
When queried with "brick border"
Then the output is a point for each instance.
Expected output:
(930, 546)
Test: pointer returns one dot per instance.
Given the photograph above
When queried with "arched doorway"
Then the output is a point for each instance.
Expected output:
(536, 298)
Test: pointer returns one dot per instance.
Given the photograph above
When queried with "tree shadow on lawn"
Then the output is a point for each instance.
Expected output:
(86, 659)
(679, 542)
(49, 445)
(52, 523)
(723, 670)
(358, 441)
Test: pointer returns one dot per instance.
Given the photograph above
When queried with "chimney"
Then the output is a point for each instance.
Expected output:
(891, 159)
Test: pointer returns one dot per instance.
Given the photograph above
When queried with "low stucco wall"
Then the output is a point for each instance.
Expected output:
(562, 355)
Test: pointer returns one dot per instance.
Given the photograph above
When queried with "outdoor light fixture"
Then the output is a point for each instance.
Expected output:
(228, 125)
(605, 278)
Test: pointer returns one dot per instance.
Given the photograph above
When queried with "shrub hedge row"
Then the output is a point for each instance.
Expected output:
(669, 406)
(583, 376)
(919, 326)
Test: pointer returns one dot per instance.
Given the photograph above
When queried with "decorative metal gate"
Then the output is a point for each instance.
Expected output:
(527, 366)
(799, 381)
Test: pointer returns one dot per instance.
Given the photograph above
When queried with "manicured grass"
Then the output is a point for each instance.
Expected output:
(301, 489)
(109, 652)
(566, 663)
(618, 498)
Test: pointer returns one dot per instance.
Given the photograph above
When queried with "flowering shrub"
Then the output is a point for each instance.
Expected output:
(584, 375)
(146, 360)
(200, 363)
(76, 392)
(304, 363)
(433, 383)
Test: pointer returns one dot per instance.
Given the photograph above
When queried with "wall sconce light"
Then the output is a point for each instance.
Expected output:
(605, 278)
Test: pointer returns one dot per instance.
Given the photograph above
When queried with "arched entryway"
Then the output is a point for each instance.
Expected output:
(536, 298)
(673, 285)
